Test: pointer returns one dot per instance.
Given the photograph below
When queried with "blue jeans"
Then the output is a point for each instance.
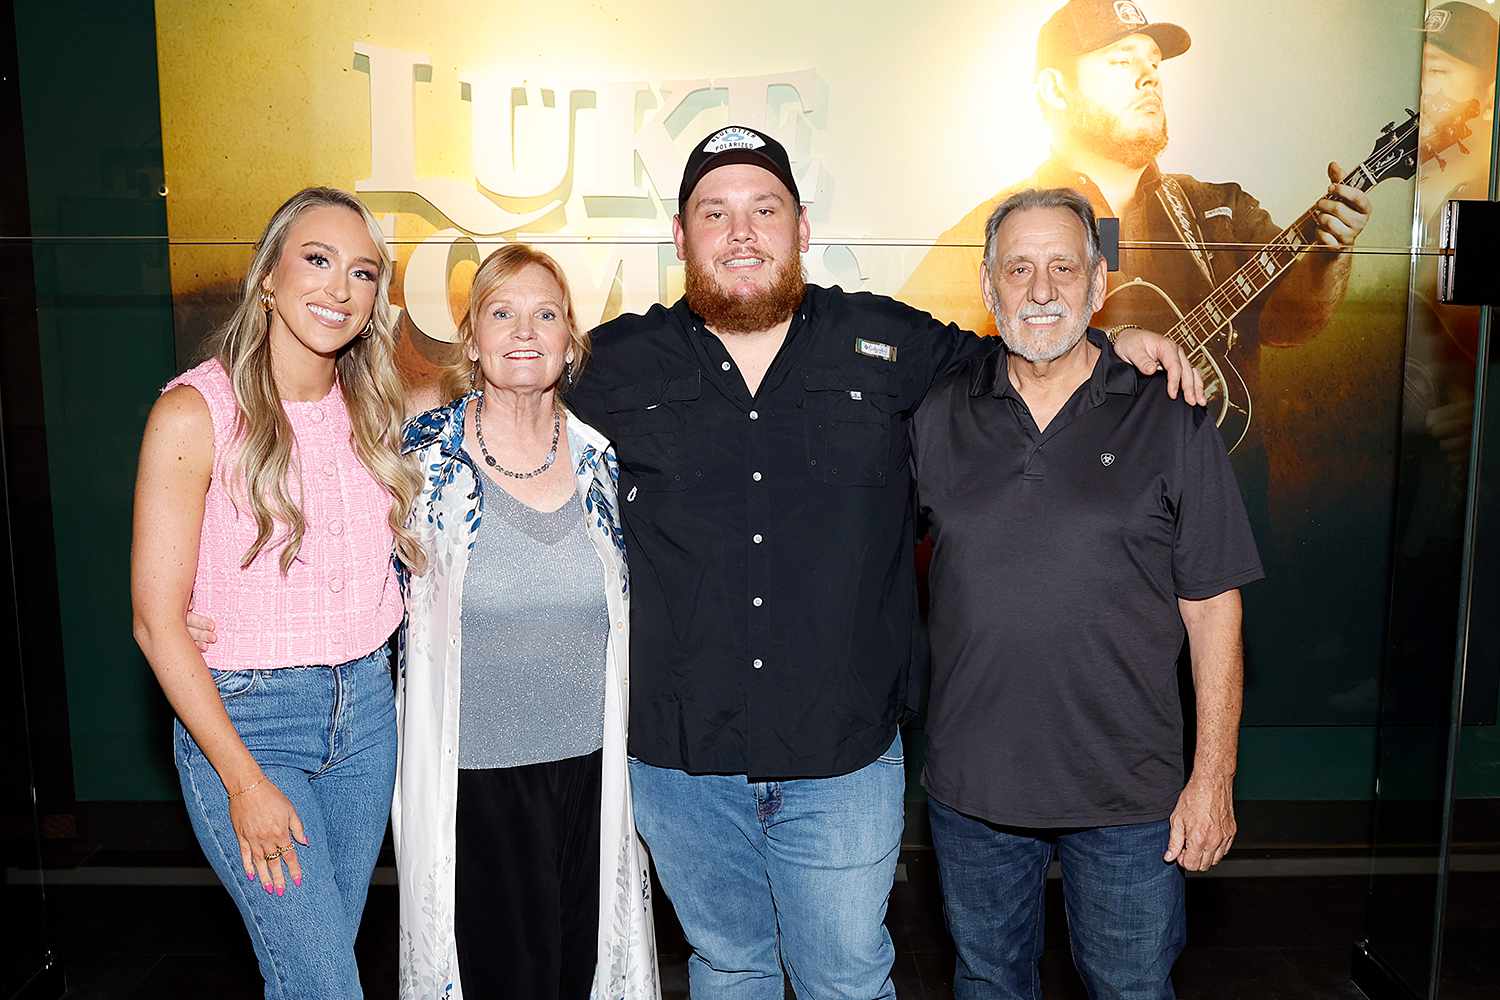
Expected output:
(770, 872)
(326, 736)
(1126, 920)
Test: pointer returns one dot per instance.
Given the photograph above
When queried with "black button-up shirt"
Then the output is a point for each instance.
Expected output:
(1058, 558)
(769, 537)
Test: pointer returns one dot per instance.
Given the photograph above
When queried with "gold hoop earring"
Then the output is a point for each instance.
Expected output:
(369, 329)
(267, 300)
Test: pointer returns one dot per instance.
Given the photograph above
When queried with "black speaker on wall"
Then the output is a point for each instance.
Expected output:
(1469, 270)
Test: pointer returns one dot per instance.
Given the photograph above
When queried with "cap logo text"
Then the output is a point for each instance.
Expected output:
(1437, 20)
(732, 138)
(1128, 13)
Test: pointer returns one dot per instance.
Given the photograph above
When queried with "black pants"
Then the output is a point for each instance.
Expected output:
(526, 908)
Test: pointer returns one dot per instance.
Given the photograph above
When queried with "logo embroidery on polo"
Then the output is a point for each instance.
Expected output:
(1107, 459)
(1128, 13)
(733, 137)
(630, 497)
(1437, 20)
(875, 349)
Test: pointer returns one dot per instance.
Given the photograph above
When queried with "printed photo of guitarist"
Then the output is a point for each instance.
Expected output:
(1458, 76)
(1099, 82)
(1437, 411)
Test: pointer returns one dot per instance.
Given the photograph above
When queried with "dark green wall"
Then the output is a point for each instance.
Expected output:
(94, 167)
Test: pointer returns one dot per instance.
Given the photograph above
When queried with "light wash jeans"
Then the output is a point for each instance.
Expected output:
(766, 873)
(326, 736)
(1126, 919)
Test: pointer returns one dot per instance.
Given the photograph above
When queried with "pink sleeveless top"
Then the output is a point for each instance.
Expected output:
(340, 599)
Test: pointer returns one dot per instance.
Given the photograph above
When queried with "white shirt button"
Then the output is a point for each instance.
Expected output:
(757, 664)
(335, 527)
(755, 476)
(726, 366)
(336, 584)
(329, 469)
(754, 415)
(317, 414)
(756, 538)
(757, 602)
(619, 625)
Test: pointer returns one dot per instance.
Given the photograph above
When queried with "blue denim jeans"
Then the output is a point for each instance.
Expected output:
(1126, 920)
(763, 873)
(326, 736)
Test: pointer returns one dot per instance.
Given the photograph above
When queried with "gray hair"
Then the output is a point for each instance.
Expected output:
(1059, 197)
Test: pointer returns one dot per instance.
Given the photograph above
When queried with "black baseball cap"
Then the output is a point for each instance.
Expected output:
(1082, 26)
(736, 144)
(1464, 32)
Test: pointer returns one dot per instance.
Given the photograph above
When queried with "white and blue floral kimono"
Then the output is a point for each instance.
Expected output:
(423, 816)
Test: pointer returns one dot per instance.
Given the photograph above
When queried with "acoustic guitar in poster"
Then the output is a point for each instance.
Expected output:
(1206, 331)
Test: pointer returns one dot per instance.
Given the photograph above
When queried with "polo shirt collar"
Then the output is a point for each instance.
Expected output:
(1111, 375)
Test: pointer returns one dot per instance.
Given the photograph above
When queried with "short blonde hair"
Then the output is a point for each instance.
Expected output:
(496, 269)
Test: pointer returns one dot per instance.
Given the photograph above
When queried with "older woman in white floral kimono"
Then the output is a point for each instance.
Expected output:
(519, 867)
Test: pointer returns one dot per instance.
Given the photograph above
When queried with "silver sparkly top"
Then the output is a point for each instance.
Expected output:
(535, 623)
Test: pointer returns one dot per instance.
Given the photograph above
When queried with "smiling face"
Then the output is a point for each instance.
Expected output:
(521, 336)
(1114, 102)
(1040, 286)
(324, 283)
(741, 236)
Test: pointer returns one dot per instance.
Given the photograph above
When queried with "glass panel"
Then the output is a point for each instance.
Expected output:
(1470, 963)
(1427, 609)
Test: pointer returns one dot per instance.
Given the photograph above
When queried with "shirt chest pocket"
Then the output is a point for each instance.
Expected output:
(849, 417)
(649, 420)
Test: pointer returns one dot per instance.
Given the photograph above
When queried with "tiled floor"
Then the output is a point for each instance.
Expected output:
(1250, 939)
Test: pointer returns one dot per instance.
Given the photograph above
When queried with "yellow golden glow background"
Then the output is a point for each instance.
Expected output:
(928, 108)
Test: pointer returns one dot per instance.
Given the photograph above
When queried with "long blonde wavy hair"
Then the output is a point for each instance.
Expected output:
(368, 379)
(456, 377)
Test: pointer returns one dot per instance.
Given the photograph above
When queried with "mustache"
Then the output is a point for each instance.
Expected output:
(1049, 309)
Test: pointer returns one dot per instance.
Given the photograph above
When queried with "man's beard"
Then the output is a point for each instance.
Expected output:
(1098, 130)
(725, 313)
(1046, 344)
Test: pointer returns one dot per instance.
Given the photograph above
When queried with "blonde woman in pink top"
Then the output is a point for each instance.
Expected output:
(270, 498)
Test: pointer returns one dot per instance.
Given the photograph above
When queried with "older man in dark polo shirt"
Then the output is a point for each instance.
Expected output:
(1083, 523)
(765, 491)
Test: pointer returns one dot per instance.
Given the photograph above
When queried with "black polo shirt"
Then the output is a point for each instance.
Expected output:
(1057, 563)
(769, 537)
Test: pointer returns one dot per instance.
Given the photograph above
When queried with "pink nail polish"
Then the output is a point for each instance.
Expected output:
(281, 890)
(268, 888)
(297, 880)
(250, 876)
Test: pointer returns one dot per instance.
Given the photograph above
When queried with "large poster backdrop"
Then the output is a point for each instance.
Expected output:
(566, 124)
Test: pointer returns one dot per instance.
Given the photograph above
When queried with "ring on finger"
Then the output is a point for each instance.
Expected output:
(274, 855)
(288, 849)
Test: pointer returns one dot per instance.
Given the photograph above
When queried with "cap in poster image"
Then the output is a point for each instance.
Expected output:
(1465, 32)
(1081, 26)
